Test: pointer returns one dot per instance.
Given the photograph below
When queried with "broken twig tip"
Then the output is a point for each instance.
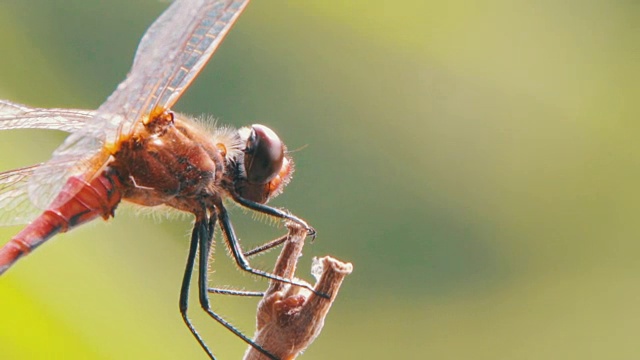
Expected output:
(289, 317)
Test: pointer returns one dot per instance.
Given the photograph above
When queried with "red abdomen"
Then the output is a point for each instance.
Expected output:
(100, 197)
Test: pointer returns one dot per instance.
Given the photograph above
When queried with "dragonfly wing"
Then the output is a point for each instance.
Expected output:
(27, 191)
(170, 55)
(17, 116)
(17, 207)
(82, 155)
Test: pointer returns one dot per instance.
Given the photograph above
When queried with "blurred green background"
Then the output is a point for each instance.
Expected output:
(477, 162)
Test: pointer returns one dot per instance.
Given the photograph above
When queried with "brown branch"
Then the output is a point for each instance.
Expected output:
(289, 317)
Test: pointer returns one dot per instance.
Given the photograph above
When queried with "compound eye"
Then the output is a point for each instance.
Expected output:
(263, 155)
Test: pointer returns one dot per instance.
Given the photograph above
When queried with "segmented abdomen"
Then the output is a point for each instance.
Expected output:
(100, 197)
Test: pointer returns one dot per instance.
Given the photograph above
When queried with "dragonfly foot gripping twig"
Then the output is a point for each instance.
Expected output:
(290, 317)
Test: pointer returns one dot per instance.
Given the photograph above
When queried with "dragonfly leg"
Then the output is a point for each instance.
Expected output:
(205, 235)
(223, 291)
(241, 260)
(258, 250)
(275, 212)
(184, 289)
(267, 246)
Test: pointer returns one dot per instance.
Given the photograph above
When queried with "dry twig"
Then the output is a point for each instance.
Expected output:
(289, 317)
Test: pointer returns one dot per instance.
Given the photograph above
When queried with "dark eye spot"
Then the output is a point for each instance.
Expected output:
(263, 155)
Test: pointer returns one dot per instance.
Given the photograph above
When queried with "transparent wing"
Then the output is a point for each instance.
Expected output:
(16, 206)
(17, 116)
(83, 159)
(170, 55)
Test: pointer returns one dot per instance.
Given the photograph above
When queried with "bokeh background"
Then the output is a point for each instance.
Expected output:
(477, 162)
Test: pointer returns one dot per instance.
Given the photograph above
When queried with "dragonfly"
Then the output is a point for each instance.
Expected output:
(134, 148)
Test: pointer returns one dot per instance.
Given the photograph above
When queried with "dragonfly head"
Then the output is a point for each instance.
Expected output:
(267, 168)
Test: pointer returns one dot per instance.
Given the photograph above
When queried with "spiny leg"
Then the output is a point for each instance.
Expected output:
(184, 289)
(241, 260)
(205, 231)
(275, 212)
(266, 246)
(260, 249)
(222, 291)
